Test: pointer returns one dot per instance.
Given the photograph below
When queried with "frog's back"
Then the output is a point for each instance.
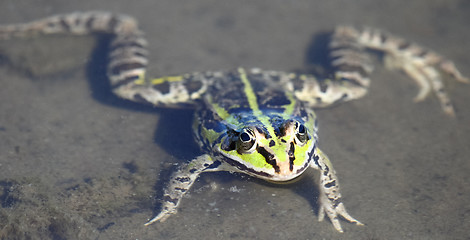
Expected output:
(251, 89)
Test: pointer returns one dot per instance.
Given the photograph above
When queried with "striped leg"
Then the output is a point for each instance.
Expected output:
(351, 67)
(126, 71)
(181, 181)
(77, 23)
(330, 196)
(423, 66)
(127, 56)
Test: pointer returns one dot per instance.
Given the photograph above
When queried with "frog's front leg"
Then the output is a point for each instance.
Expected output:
(181, 181)
(330, 196)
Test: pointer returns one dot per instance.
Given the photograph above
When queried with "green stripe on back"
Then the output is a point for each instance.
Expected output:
(253, 102)
(250, 94)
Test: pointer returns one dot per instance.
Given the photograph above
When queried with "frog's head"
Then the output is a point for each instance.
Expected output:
(278, 152)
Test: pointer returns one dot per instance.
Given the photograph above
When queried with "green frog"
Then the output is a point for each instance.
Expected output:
(253, 121)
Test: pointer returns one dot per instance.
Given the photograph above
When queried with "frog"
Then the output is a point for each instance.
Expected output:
(251, 121)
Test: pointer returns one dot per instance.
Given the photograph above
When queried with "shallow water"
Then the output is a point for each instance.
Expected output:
(78, 163)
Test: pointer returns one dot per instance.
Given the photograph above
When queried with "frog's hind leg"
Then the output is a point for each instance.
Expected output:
(350, 69)
(128, 56)
(76, 23)
(422, 65)
(127, 68)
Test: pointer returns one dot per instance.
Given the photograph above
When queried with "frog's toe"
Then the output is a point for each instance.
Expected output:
(162, 216)
(333, 213)
(341, 210)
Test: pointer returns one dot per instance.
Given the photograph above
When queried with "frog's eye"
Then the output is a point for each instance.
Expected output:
(246, 141)
(301, 135)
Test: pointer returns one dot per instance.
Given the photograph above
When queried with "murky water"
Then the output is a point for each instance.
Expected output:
(78, 163)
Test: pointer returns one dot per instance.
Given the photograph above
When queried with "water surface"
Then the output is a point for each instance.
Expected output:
(77, 162)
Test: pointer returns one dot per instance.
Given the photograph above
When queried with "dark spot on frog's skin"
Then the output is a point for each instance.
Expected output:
(215, 164)
(326, 170)
(330, 184)
(138, 98)
(282, 140)
(383, 37)
(423, 53)
(228, 145)
(64, 25)
(193, 86)
(264, 131)
(315, 159)
(163, 87)
(335, 201)
(181, 189)
(291, 156)
(323, 88)
(183, 179)
(167, 198)
(403, 45)
(272, 143)
(269, 157)
(125, 81)
(89, 23)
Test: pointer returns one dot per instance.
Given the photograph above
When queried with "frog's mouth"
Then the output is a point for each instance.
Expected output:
(290, 181)
(268, 174)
